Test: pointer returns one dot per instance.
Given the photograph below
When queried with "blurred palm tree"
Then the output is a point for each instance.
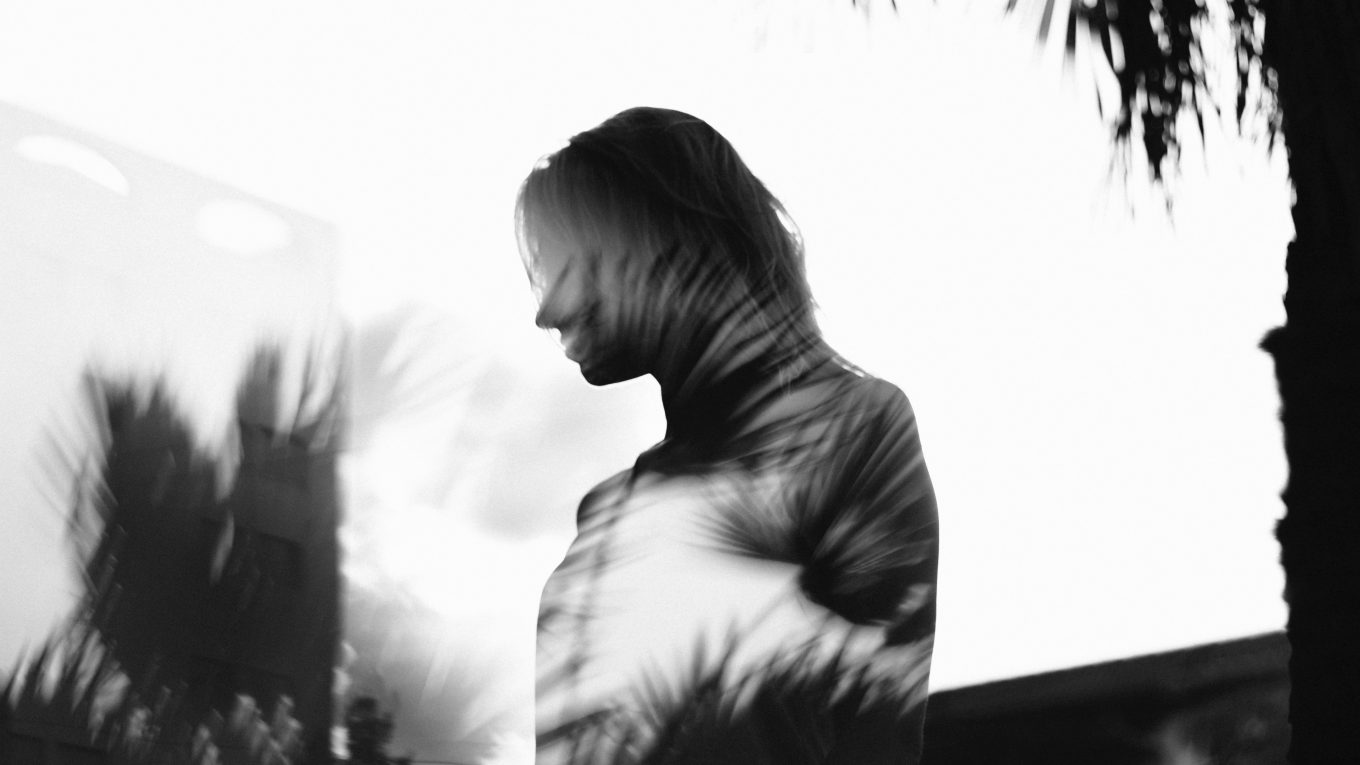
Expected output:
(74, 705)
(1298, 74)
(207, 576)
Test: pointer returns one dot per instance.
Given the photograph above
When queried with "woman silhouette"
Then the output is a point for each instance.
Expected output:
(760, 585)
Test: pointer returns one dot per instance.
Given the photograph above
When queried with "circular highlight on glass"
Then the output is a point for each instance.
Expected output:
(74, 156)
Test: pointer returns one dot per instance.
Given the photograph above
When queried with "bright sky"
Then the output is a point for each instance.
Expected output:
(1098, 421)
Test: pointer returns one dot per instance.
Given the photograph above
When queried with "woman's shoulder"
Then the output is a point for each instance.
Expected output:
(642, 488)
(607, 492)
(859, 395)
(875, 432)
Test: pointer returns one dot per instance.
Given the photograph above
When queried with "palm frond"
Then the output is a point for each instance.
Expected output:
(1156, 50)
(798, 706)
(57, 693)
(860, 525)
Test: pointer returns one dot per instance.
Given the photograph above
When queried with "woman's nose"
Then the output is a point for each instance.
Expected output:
(557, 305)
(544, 319)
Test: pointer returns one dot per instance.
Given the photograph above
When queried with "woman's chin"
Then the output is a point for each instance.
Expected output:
(599, 374)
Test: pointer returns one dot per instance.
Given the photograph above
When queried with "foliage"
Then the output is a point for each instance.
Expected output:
(801, 707)
(369, 732)
(74, 696)
(200, 579)
(1156, 50)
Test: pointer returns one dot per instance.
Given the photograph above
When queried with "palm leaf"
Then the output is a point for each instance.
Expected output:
(848, 525)
(795, 707)
(1156, 51)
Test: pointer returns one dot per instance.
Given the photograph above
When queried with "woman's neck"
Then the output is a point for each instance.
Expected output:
(735, 379)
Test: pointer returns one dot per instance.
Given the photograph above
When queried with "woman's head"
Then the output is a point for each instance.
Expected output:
(648, 235)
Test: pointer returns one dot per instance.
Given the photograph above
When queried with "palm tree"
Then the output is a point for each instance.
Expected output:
(1298, 69)
(198, 592)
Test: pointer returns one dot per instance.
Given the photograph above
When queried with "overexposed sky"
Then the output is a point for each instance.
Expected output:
(1099, 423)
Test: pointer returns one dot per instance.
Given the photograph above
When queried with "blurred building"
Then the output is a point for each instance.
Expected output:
(1223, 703)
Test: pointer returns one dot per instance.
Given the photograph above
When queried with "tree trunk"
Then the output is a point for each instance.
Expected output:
(1314, 46)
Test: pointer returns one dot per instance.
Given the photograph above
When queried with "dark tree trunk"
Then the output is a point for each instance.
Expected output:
(1314, 45)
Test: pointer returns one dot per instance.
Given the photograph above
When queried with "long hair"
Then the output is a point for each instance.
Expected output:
(665, 197)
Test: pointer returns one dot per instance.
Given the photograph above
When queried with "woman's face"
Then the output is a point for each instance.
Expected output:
(583, 299)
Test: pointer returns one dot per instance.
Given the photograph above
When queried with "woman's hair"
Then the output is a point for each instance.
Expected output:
(663, 194)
